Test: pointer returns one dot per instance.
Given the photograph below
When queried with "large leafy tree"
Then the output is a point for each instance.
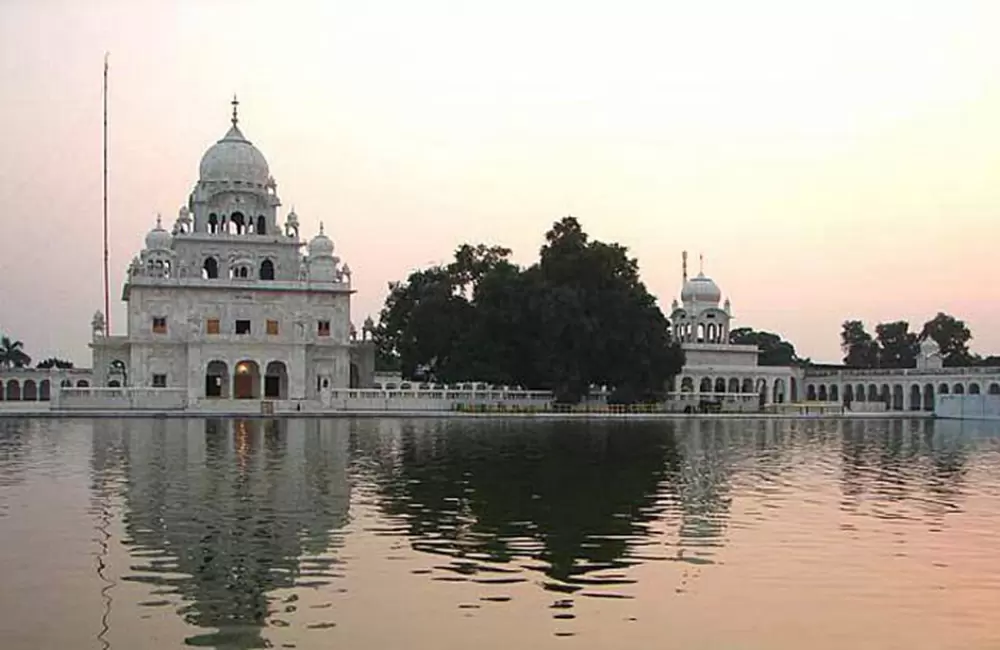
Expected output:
(578, 317)
(774, 351)
(953, 336)
(860, 349)
(12, 353)
(898, 346)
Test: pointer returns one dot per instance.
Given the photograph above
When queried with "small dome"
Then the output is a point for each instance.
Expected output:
(158, 239)
(320, 245)
(701, 289)
(234, 158)
(292, 219)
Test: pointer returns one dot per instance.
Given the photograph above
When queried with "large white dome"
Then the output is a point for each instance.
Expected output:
(234, 158)
(701, 289)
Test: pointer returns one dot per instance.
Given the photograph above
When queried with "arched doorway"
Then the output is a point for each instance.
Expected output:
(30, 391)
(687, 385)
(276, 380)
(897, 397)
(929, 397)
(266, 270)
(916, 398)
(246, 380)
(720, 385)
(706, 386)
(835, 393)
(217, 380)
(810, 393)
(994, 389)
(821, 394)
(848, 395)
(973, 388)
(355, 376)
(779, 391)
(44, 390)
(13, 391)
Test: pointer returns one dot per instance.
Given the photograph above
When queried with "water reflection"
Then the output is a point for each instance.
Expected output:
(221, 513)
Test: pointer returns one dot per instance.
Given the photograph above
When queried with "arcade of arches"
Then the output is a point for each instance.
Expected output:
(771, 389)
(246, 381)
(31, 390)
(912, 395)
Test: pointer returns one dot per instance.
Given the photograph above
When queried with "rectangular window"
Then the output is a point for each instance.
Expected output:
(242, 327)
(272, 328)
(159, 325)
(323, 328)
(212, 326)
(159, 381)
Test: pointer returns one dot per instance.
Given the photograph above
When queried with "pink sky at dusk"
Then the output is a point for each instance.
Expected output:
(831, 160)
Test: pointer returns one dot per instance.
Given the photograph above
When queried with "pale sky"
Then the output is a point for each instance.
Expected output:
(831, 160)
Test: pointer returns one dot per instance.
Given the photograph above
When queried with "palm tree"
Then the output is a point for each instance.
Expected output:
(12, 353)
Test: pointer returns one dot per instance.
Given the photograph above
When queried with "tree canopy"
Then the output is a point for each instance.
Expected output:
(896, 346)
(774, 350)
(54, 362)
(579, 316)
(12, 353)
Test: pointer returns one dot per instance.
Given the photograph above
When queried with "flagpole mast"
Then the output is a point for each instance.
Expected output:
(107, 299)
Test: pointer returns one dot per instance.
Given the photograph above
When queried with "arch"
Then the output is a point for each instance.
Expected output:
(687, 385)
(747, 385)
(705, 386)
(897, 397)
(973, 388)
(720, 385)
(761, 392)
(239, 222)
(821, 394)
(213, 223)
(994, 388)
(848, 394)
(959, 389)
(276, 380)
(44, 390)
(114, 383)
(944, 389)
(794, 385)
(65, 383)
(217, 379)
(734, 385)
(246, 380)
(29, 392)
(117, 369)
(701, 333)
(266, 270)
(210, 269)
(835, 393)
(811, 393)
(916, 398)
(885, 395)
(82, 383)
(859, 392)
(872, 393)
(261, 225)
(13, 391)
(929, 397)
(355, 381)
(778, 391)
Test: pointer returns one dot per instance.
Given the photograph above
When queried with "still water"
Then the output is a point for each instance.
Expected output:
(449, 534)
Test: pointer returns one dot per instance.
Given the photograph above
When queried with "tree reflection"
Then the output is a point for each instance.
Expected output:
(576, 496)
(221, 511)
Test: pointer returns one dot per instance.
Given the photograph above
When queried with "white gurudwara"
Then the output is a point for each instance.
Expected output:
(225, 306)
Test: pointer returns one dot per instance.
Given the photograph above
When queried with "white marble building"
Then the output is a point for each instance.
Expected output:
(717, 369)
(225, 306)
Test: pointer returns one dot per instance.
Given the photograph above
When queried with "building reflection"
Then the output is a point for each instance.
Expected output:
(221, 512)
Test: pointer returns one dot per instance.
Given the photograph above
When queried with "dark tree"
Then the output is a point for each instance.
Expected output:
(860, 349)
(953, 336)
(774, 351)
(578, 317)
(12, 353)
(898, 346)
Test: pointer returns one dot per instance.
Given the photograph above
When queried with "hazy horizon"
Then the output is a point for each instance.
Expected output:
(831, 161)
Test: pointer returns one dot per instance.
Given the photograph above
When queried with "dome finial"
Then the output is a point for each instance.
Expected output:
(235, 104)
(159, 220)
(701, 263)
(321, 227)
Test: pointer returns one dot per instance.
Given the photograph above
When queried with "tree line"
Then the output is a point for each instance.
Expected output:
(895, 345)
(12, 355)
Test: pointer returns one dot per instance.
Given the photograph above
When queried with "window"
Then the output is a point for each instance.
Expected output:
(242, 327)
(272, 328)
(212, 326)
(210, 269)
(266, 270)
(323, 328)
(159, 381)
(159, 325)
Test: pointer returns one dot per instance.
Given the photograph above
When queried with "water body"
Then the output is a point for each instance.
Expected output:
(428, 534)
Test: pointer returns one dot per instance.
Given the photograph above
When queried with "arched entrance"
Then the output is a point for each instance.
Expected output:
(355, 376)
(779, 391)
(276, 380)
(246, 380)
(30, 393)
(929, 397)
(217, 380)
(916, 398)
(44, 390)
(687, 385)
(13, 391)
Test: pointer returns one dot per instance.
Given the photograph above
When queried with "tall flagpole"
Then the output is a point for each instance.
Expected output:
(107, 299)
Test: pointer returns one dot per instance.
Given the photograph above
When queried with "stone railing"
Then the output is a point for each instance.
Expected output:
(130, 398)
